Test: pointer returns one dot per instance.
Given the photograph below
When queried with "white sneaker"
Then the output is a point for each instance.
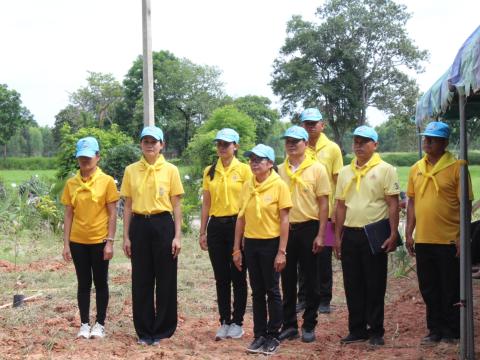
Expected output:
(235, 331)
(98, 331)
(84, 331)
(222, 332)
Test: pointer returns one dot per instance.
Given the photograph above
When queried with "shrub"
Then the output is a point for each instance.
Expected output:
(107, 139)
(28, 163)
(115, 159)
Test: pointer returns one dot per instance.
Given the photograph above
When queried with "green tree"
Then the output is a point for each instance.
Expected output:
(201, 149)
(351, 59)
(74, 117)
(185, 94)
(13, 115)
(107, 139)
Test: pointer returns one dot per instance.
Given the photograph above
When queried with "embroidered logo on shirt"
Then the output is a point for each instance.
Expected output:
(234, 177)
(161, 191)
(267, 198)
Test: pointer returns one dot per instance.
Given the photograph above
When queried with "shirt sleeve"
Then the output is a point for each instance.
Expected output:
(284, 197)
(66, 198)
(176, 187)
(112, 192)
(391, 186)
(125, 189)
(411, 185)
(337, 164)
(322, 184)
(206, 179)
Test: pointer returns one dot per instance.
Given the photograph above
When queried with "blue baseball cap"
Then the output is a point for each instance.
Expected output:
(437, 129)
(87, 146)
(228, 135)
(152, 131)
(366, 132)
(311, 114)
(261, 150)
(296, 132)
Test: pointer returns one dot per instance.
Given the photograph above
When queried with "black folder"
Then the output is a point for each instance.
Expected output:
(377, 233)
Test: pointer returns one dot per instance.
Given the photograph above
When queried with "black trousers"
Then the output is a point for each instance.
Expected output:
(88, 261)
(264, 280)
(220, 237)
(299, 252)
(154, 276)
(365, 282)
(438, 271)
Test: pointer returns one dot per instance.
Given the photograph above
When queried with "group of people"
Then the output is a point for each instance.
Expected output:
(273, 223)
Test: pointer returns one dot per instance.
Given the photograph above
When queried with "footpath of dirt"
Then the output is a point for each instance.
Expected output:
(55, 336)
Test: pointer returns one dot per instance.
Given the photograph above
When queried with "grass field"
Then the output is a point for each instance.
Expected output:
(19, 176)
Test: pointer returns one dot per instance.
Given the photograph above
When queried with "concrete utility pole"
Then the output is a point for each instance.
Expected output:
(148, 114)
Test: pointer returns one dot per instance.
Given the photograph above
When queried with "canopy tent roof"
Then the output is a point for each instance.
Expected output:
(463, 76)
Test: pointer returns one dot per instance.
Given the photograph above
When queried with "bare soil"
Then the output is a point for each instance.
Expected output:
(46, 326)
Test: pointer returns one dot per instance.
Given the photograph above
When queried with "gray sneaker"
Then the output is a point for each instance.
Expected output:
(222, 332)
(235, 331)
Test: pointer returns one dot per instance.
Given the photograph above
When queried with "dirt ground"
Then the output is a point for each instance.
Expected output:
(45, 327)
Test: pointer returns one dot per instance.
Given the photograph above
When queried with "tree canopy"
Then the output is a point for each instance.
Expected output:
(353, 58)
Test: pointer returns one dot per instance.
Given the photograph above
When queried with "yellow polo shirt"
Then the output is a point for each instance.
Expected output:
(152, 200)
(304, 197)
(329, 154)
(90, 218)
(239, 174)
(437, 216)
(272, 200)
(367, 205)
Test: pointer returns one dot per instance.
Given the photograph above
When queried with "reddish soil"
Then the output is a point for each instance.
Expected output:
(54, 337)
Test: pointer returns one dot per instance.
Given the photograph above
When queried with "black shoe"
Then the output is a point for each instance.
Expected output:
(144, 341)
(324, 309)
(449, 339)
(289, 333)
(300, 306)
(431, 339)
(376, 341)
(257, 345)
(271, 346)
(351, 338)
(308, 336)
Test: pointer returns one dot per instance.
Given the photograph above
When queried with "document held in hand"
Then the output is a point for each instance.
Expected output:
(377, 233)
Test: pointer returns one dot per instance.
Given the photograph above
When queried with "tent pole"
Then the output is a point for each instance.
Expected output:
(467, 345)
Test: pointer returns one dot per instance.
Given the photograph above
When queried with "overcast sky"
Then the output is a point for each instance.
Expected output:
(48, 46)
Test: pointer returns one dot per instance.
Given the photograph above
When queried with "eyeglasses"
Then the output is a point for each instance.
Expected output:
(257, 160)
(292, 141)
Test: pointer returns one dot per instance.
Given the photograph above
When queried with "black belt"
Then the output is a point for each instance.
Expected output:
(224, 219)
(297, 226)
(350, 228)
(148, 216)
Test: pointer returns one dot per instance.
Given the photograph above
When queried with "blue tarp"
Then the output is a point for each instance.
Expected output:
(464, 74)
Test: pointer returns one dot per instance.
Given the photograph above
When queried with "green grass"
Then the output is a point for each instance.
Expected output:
(19, 176)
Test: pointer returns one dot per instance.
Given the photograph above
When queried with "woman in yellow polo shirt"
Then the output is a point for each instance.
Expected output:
(222, 186)
(263, 221)
(90, 199)
(152, 238)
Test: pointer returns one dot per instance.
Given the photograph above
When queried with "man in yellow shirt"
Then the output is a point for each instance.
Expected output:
(433, 211)
(328, 153)
(310, 188)
(367, 192)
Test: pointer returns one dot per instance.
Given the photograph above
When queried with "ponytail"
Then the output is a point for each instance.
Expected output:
(211, 171)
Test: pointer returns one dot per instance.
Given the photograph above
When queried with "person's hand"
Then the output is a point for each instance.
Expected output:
(337, 248)
(318, 244)
(203, 242)
(410, 245)
(237, 259)
(390, 244)
(67, 255)
(176, 247)
(108, 250)
(127, 247)
(280, 262)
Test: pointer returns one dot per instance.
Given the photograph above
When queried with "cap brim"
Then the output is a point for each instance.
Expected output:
(86, 153)
(366, 137)
(153, 136)
(315, 120)
(432, 135)
(293, 137)
(223, 139)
